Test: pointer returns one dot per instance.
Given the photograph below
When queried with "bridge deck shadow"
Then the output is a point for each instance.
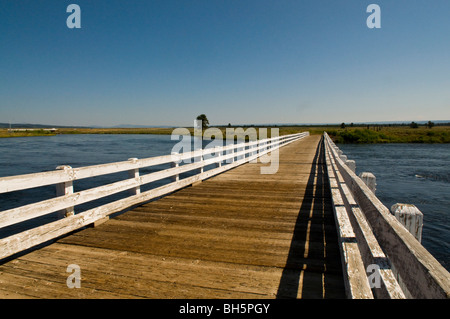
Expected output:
(297, 279)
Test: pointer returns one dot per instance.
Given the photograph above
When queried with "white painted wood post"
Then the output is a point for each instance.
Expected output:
(218, 154)
(176, 177)
(370, 180)
(134, 173)
(410, 217)
(200, 170)
(239, 150)
(232, 151)
(254, 152)
(351, 164)
(65, 188)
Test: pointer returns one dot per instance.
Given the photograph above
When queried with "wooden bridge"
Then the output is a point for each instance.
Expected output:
(311, 230)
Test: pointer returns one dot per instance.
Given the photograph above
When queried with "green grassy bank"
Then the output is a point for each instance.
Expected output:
(6, 133)
(391, 135)
(361, 134)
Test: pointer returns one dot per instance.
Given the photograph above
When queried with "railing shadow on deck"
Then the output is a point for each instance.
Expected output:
(304, 266)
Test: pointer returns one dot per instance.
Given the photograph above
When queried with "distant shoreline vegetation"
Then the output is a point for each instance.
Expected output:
(344, 133)
(372, 134)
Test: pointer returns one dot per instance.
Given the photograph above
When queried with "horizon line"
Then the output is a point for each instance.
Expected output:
(7, 125)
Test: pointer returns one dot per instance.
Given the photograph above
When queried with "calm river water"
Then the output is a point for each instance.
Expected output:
(416, 174)
(406, 173)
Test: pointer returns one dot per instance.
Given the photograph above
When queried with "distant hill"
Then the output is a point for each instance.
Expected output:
(138, 126)
(437, 122)
(28, 125)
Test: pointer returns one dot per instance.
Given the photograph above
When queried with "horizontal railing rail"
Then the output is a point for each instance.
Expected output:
(358, 244)
(26, 181)
(67, 200)
(355, 279)
(421, 274)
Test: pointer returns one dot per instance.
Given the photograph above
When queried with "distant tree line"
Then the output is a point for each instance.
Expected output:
(377, 127)
(429, 124)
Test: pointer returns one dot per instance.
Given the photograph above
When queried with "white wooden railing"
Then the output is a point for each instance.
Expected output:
(360, 250)
(370, 235)
(225, 158)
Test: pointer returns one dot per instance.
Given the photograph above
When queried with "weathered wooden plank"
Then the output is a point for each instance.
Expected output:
(220, 235)
(390, 285)
(344, 226)
(367, 237)
(372, 254)
(349, 200)
(34, 210)
(20, 283)
(358, 284)
(13, 183)
(337, 197)
(166, 276)
(262, 218)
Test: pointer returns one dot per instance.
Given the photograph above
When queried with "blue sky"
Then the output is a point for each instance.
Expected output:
(254, 62)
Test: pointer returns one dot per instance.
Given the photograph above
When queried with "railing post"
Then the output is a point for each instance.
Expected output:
(65, 188)
(370, 180)
(218, 154)
(243, 150)
(343, 157)
(410, 217)
(176, 177)
(233, 152)
(351, 164)
(200, 170)
(134, 173)
(255, 149)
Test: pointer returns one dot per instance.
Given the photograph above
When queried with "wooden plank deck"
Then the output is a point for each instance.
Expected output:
(237, 235)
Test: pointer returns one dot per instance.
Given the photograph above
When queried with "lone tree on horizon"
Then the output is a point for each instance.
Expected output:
(204, 119)
(413, 125)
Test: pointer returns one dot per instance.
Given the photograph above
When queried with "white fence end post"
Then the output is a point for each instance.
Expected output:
(65, 188)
